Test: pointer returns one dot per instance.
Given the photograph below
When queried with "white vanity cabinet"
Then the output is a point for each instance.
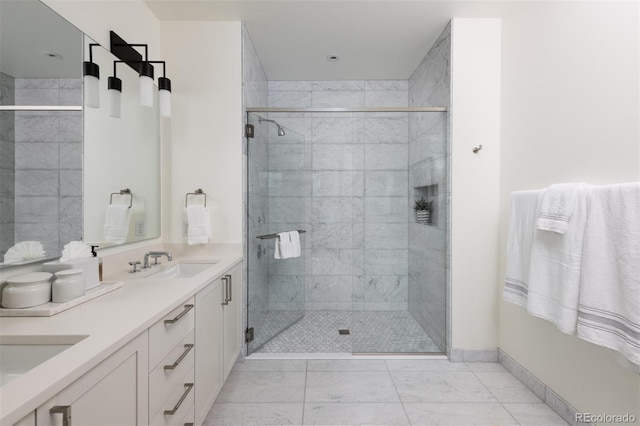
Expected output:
(218, 337)
(232, 320)
(113, 393)
(171, 366)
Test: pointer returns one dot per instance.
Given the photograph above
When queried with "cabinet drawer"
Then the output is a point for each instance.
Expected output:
(167, 333)
(188, 419)
(163, 380)
(180, 402)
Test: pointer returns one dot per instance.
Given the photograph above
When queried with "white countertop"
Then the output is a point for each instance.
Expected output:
(110, 321)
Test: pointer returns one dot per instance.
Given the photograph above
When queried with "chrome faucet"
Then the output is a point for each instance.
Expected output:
(155, 255)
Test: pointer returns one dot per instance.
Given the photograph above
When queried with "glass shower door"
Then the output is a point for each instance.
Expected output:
(276, 202)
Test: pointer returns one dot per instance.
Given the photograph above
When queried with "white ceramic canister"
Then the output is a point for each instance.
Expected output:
(68, 285)
(27, 290)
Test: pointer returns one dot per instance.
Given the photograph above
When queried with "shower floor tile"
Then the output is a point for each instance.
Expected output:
(370, 332)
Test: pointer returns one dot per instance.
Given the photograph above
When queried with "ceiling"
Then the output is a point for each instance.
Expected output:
(28, 29)
(375, 39)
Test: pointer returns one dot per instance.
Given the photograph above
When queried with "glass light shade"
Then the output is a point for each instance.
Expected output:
(91, 91)
(114, 103)
(146, 91)
(164, 99)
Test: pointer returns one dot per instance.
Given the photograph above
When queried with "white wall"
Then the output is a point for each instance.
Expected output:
(570, 112)
(206, 127)
(131, 19)
(475, 180)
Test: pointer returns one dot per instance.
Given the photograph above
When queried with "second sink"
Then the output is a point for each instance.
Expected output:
(181, 270)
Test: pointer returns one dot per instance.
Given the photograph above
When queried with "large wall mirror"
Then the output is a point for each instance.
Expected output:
(62, 165)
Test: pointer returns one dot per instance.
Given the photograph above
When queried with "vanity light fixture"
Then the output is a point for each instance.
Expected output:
(127, 54)
(114, 89)
(91, 77)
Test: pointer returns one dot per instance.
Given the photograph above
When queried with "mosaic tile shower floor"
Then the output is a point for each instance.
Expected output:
(370, 332)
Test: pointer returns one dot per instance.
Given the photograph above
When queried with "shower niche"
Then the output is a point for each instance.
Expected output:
(425, 205)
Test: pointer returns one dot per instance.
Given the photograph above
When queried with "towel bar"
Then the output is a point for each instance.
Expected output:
(125, 191)
(269, 236)
(196, 192)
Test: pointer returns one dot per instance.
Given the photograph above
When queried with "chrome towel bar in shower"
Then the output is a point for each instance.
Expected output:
(269, 236)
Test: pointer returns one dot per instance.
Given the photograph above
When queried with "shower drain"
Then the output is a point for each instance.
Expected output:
(343, 332)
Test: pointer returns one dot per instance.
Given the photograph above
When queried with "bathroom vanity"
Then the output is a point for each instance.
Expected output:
(156, 351)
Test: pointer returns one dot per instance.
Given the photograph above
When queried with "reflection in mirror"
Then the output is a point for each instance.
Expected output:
(41, 140)
(42, 193)
(121, 153)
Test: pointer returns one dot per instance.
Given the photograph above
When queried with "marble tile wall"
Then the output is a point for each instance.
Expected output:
(346, 183)
(7, 155)
(428, 260)
(48, 163)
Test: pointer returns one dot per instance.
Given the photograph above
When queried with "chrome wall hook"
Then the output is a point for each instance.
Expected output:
(477, 148)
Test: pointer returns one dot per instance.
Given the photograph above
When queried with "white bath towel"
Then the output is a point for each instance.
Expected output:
(199, 222)
(557, 206)
(294, 238)
(554, 274)
(609, 312)
(521, 230)
(283, 247)
(116, 223)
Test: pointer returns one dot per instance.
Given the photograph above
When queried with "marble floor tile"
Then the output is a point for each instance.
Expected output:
(488, 367)
(346, 365)
(425, 365)
(350, 386)
(506, 388)
(271, 365)
(234, 414)
(534, 414)
(354, 414)
(437, 386)
(251, 386)
(458, 414)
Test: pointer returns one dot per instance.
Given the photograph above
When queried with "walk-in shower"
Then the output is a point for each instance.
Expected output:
(371, 277)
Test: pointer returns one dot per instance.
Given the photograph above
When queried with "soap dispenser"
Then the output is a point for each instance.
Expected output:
(93, 252)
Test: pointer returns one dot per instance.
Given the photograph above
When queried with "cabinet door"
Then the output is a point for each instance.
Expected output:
(208, 348)
(233, 321)
(113, 393)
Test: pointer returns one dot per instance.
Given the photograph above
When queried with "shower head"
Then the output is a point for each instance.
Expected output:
(280, 128)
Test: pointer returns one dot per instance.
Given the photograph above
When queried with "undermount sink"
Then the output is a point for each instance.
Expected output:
(19, 354)
(181, 270)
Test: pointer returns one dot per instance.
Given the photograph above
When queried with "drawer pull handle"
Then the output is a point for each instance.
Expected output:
(65, 410)
(225, 280)
(187, 348)
(188, 424)
(188, 387)
(187, 308)
(229, 285)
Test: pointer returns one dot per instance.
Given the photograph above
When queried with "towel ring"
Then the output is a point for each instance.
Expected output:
(126, 191)
(195, 193)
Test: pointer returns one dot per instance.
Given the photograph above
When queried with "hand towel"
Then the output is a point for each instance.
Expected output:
(554, 273)
(199, 231)
(116, 223)
(557, 206)
(521, 230)
(609, 311)
(283, 248)
(294, 238)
